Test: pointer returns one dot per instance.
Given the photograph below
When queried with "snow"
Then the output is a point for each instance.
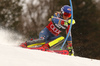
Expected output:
(9, 37)
(12, 55)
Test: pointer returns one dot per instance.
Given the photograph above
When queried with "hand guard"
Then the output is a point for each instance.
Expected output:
(67, 22)
(73, 22)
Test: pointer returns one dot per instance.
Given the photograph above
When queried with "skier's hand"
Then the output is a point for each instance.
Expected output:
(64, 22)
(67, 22)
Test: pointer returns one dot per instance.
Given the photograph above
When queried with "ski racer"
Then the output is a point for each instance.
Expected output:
(58, 22)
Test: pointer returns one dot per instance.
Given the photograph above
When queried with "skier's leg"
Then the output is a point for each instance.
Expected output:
(35, 41)
(42, 37)
(55, 40)
(38, 42)
(50, 44)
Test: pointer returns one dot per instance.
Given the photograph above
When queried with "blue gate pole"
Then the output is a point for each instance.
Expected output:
(70, 26)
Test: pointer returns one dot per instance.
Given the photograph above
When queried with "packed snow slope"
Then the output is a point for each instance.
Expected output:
(12, 55)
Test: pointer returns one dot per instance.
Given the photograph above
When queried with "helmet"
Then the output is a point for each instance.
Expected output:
(66, 10)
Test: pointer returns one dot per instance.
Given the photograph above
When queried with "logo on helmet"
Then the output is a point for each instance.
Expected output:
(69, 9)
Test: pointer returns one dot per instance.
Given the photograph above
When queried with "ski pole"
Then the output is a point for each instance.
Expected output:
(70, 25)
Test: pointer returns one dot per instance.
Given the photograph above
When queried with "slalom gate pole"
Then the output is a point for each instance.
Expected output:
(70, 26)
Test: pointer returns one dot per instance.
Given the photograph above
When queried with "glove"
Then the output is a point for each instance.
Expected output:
(64, 22)
(67, 22)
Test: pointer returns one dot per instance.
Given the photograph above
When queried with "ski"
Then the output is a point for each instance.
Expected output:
(38, 47)
(63, 52)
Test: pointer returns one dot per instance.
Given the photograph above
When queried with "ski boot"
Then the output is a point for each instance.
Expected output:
(43, 47)
(24, 45)
(71, 52)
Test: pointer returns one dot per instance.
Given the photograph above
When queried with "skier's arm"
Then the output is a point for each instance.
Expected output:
(58, 20)
(55, 18)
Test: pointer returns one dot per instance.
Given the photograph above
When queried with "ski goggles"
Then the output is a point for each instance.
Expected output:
(67, 14)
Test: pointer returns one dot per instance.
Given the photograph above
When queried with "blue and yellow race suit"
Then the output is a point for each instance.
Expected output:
(53, 29)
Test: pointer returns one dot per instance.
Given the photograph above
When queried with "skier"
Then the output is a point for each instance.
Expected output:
(58, 22)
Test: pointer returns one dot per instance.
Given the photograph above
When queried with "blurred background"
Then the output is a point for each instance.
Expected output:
(29, 17)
